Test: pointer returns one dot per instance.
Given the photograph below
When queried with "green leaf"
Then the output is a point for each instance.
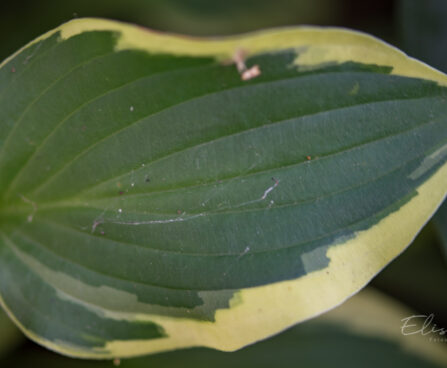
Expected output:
(151, 199)
(365, 331)
(441, 223)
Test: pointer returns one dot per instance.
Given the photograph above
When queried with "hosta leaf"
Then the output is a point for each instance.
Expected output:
(365, 331)
(151, 199)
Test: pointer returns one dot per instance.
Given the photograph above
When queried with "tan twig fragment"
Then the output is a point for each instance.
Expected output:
(251, 73)
(239, 61)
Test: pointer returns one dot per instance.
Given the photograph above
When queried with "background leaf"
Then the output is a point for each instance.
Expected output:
(423, 30)
(441, 222)
(10, 336)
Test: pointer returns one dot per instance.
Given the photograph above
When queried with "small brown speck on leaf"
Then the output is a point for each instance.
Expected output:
(121, 192)
(13, 70)
(116, 362)
(179, 212)
(308, 158)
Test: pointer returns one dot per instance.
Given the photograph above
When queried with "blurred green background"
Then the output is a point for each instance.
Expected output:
(418, 278)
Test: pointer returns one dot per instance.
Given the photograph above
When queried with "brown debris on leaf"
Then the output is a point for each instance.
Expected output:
(251, 73)
(246, 73)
